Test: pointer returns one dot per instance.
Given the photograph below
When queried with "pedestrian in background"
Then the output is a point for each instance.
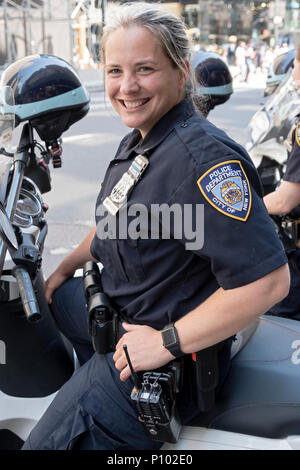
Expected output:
(240, 60)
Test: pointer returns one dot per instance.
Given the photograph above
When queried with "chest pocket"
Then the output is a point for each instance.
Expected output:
(122, 260)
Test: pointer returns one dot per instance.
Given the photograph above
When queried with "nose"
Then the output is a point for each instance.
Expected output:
(129, 84)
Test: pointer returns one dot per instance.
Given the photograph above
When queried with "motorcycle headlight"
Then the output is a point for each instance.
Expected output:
(259, 125)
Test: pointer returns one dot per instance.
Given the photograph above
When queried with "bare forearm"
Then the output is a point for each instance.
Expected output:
(222, 315)
(283, 200)
(275, 204)
(226, 312)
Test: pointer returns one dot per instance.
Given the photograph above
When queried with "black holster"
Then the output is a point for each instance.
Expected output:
(201, 370)
(103, 322)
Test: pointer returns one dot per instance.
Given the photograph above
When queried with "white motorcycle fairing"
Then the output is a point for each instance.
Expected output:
(259, 404)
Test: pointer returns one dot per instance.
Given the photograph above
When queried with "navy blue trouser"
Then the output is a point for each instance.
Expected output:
(71, 316)
(93, 410)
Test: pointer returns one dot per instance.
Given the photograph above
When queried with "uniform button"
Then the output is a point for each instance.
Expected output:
(184, 124)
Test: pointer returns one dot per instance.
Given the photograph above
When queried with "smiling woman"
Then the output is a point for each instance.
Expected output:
(146, 71)
(172, 297)
(141, 82)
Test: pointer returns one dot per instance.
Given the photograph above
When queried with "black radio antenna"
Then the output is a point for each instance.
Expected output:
(135, 378)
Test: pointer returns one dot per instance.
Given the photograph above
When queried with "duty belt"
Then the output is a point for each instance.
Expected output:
(201, 369)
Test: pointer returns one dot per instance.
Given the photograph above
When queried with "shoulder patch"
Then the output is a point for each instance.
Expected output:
(226, 187)
(297, 134)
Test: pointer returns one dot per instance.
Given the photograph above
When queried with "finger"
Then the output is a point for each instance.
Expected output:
(48, 296)
(120, 343)
(121, 363)
(125, 374)
(117, 354)
(130, 326)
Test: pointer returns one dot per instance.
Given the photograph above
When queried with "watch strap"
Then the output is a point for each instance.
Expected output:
(171, 340)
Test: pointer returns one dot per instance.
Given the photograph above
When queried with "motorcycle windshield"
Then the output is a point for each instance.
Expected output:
(276, 117)
(285, 104)
(7, 117)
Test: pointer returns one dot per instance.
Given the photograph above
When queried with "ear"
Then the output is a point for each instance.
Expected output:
(183, 77)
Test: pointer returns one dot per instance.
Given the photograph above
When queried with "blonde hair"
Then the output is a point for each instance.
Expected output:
(169, 30)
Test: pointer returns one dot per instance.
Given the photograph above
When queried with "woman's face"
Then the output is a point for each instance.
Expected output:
(296, 74)
(141, 82)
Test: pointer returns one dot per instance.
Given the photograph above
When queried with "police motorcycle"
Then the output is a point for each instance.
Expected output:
(270, 141)
(270, 131)
(278, 70)
(44, 94)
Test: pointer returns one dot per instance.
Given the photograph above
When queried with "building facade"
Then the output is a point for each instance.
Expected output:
(72, 29)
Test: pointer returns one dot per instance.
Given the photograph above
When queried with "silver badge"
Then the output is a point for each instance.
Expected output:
(121, 190)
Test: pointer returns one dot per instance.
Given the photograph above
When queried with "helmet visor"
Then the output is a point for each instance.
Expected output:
(7, 117)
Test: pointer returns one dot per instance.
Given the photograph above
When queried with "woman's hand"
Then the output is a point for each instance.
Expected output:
(145, 348)
(54, 282)
(68, 266)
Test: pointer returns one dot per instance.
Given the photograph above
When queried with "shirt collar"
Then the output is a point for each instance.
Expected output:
(180, 112)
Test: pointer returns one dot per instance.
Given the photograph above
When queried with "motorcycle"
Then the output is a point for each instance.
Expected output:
(269, 129)
(258, 406)
(278, 69)
(35, 359)
(269, 144)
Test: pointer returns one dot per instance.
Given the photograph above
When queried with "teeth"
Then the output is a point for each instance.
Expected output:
(134, 104)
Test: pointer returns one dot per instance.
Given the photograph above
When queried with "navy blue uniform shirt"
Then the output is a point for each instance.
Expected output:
(191, 162)
(292, 172)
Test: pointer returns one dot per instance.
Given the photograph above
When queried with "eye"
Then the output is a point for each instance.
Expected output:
(113, 71)
(144, 68)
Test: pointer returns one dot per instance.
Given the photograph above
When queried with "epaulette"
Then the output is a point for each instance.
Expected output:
(290, 137)
(297, 131)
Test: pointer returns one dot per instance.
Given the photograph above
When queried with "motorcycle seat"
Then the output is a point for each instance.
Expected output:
(261, 395)
(242, 338)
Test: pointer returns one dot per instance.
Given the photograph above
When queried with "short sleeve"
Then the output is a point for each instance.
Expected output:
(292, 172)
(239, 238)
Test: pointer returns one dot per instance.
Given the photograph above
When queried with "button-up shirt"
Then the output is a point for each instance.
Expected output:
(196, 168)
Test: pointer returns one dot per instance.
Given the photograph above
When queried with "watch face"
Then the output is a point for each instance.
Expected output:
(169, 337)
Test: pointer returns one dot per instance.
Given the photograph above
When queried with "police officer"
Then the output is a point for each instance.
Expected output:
(283, 201)
(199, 289)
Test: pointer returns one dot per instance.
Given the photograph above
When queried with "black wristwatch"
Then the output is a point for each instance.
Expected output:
(171, 340)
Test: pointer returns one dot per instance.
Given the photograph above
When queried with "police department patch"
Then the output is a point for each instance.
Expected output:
(226, 188)
(297, 134)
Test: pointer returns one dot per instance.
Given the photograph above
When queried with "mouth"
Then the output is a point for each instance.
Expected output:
(133, 105)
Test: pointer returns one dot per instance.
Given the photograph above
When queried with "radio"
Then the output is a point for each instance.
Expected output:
(155, 399)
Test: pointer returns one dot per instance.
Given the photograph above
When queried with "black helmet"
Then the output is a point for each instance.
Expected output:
(214, 79)
(47, 92)
(278, 70)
